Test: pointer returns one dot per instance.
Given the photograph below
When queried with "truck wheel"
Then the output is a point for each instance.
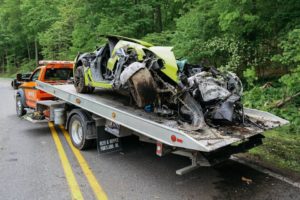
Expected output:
(14, 84)
(19, 107)
(77, 131)
(79, 81)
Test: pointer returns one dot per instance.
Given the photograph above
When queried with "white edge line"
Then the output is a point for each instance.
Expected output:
(266, 171)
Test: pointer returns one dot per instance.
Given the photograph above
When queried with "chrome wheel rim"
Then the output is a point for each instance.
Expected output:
(19, 106)
(77, 132)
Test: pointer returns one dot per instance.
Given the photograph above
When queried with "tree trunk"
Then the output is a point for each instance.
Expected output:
(36, 52)
(28, 50)
(6, 56)
(285, 100)
(3, 63)
(154, 22)
(158, 18)
(15, 61)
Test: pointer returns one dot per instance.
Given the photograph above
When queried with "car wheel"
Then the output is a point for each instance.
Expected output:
(19, 107)
(142, 88)
(77, 131)
(91, 89)
(79, 81)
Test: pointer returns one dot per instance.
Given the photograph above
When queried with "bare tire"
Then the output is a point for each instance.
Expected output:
(14, 84)
(19, 107)
(77, 131)
(142, 88)
(79, 81)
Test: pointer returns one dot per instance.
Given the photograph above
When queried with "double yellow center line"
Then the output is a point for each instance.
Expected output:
(72, 182)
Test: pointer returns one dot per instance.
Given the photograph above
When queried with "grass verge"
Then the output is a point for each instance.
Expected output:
(7, 75)
(280, 150)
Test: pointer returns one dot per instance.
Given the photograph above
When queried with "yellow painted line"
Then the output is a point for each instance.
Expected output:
(97, 189)
(72, 182)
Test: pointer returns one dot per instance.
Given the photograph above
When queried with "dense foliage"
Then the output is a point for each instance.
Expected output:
(232, 34)
(258, 39)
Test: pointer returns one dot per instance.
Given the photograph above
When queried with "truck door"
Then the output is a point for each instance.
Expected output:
(30, 89)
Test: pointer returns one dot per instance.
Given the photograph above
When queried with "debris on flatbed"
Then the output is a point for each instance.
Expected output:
(248, 181)
(36, 115)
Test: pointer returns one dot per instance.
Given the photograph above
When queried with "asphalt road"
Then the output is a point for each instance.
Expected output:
(31, 168)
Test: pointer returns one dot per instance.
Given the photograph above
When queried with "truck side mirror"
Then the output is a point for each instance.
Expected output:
(19, 77)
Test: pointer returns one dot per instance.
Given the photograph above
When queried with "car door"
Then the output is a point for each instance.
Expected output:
(30, 89)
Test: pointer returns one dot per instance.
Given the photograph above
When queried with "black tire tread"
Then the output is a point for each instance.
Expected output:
(79, 81)
(23, 111)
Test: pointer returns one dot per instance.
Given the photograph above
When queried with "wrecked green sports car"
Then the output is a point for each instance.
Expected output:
(194, 95)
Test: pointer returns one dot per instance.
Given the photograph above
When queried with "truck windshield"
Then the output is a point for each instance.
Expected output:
(54, 74)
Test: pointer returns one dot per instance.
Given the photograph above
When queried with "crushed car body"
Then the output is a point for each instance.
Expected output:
(193, 97)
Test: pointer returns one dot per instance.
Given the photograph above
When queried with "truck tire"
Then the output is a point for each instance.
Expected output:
(77, 131)
(79, 81)
(20, 107)
(14, 84)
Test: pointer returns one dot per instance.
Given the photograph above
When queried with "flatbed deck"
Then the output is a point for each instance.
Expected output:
(116, 108)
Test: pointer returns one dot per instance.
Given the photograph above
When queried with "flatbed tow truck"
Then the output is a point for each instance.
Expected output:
(106, 117)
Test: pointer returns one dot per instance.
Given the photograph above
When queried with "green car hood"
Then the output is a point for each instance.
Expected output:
(167, 55)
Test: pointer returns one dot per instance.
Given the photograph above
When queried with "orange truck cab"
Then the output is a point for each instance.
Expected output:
(53, 72)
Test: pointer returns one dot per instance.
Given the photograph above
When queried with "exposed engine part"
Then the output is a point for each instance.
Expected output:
(209, 87)
(225, 110)
(164, 111)
(192, 109)
(234, 84)
(219, 94)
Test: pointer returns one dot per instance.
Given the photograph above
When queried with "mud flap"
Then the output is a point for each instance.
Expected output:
(106, 142)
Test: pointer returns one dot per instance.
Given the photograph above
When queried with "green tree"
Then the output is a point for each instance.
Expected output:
(37, 16)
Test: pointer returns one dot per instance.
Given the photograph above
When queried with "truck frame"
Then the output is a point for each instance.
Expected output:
(107, 118)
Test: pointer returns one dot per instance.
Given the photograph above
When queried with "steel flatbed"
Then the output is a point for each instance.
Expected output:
(112, 106)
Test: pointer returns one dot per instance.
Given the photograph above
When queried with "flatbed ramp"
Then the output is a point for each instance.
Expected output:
(113, 107)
